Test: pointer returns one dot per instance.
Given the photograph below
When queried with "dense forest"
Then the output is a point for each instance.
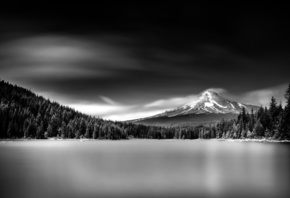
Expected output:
(23, 114)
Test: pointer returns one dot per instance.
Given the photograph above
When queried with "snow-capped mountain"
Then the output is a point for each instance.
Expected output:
(209, 106)
(210, 102)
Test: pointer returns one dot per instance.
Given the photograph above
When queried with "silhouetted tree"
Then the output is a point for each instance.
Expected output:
(285, 120)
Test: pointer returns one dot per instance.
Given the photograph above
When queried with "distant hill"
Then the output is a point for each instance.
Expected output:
(189, 120)
(209, 108)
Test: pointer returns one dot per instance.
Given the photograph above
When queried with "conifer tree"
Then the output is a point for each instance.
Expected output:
(39, 131)
(95, 131)
(258, 130)
(285, 122)
(49, 131)
(11, 129)
(88, 132)
(273, 111)
(63, 130)
(83, 127)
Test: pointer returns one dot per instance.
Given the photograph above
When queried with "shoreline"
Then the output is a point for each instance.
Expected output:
(254, 140)
(214, 139)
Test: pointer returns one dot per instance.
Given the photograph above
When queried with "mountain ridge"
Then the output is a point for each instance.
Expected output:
(208, 102)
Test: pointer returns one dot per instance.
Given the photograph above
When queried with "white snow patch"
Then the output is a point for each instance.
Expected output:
(241, 105)
(218, 104)
(208, 94)
(217, 110)
(232, 105)
(208, 104)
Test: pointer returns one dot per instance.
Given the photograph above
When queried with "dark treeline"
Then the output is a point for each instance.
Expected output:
(271, 123)
(23, 114)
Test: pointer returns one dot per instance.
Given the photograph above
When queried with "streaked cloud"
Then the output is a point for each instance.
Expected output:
(132, 115)
(100, 110)
(263, 96)
(62, 57)
(108, 100)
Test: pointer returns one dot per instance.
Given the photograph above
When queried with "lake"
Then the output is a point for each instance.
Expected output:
(143, 168)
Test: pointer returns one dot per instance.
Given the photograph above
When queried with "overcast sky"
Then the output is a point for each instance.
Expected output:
(128, 61)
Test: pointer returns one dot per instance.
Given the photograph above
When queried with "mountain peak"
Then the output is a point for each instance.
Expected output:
(209, 94)
(209, 102)
(209, 106)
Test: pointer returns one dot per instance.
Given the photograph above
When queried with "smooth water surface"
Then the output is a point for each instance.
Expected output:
(143, 168)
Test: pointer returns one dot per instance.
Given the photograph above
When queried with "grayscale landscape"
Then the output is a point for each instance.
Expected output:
(127, 100)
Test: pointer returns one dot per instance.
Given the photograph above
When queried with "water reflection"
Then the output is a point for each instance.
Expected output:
(148, 168)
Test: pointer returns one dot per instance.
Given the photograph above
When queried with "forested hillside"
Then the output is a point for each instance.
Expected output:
(23, 114)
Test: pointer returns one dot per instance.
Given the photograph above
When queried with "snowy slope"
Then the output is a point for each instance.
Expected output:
(209, 102)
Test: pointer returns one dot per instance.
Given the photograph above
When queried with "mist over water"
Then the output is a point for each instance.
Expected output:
(144, 168)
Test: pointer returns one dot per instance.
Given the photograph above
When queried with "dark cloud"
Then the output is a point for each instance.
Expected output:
(139, 54)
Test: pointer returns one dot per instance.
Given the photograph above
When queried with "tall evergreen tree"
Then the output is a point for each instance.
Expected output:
(88, 131)
(40, 131)
(95, 131)
(11, 129)
(63, 130)
(83, 127)
(49, 131)
(273, 110)
(285, 122)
